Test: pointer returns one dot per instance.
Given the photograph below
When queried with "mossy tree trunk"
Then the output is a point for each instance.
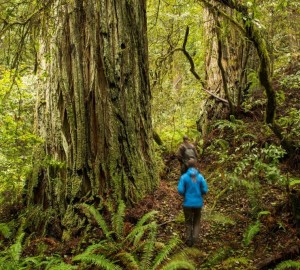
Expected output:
(93, 108)
(227, 58)
(254, 34)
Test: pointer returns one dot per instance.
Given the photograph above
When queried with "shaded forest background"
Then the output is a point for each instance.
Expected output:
(227, 74)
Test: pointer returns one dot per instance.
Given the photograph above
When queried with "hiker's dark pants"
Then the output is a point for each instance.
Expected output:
(192, 222)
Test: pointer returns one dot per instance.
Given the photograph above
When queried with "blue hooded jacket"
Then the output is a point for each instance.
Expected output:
(192, 186)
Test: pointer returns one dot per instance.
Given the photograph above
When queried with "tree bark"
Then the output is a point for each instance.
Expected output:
(93, 108)
(226, 62)
(255, 36)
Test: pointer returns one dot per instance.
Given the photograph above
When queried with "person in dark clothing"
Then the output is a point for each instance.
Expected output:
(186, 151)
(192, 186)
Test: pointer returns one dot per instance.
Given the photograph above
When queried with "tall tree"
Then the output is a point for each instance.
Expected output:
(93, 107)
(252, 30)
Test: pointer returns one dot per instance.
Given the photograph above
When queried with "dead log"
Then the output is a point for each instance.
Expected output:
(270, 262)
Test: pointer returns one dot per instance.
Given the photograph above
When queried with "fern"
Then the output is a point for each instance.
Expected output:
(36, 262)
(149, 248)
(288, 265)
(186, 253)
(128, 259)
(99, 218)
(218, 218)
(140, 229)
(118, 220)
(5, 230)
(98, 260)
(178, 265)
(251, 231)
(162, 255)
(149, 216)
(62, 266)
(216, 257)
(15, 250)
(294, 182)
(136, 251)
(138, 232)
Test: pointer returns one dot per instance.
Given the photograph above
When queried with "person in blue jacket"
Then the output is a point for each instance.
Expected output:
(192, 186)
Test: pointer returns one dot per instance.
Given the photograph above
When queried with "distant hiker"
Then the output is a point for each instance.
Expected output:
(186, 151)
(192, 186)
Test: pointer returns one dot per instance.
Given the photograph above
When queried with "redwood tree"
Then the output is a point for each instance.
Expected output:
(93, 108)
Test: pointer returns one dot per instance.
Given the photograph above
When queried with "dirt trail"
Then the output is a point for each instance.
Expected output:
(225, 219)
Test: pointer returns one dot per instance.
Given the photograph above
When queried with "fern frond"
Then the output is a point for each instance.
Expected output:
(288, 265)
(104, 247)
(36, 261)
(98, 260)
(5, 230)
(146, 217)
(99, 218)
(62, 266)
(165, 252)
(178, 265)
(15, 250)
(251, 231)
(218, 218)
(263, 213)
(91, 248)
(187, 253)
(128, 260)
(138, 232)
(118, 220)
(216, 257)
(149, 248)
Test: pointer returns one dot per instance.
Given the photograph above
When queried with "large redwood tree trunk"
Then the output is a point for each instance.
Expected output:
(229, 56)
(93, 108)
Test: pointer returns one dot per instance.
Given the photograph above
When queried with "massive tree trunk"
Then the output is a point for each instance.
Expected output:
(93, 108)
(226, 63)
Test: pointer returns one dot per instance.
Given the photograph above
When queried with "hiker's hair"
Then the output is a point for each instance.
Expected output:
(191, 163)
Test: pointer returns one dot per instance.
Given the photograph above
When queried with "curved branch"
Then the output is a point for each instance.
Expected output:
(192, 65)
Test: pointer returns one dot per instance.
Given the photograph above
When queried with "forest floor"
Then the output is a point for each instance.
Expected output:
(225, 219)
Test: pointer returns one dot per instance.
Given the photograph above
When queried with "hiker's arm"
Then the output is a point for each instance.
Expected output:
(204, 187)
(181, 186)
(179, 153)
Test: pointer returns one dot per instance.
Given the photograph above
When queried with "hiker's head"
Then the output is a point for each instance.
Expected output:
(191, 163)
(185, 138)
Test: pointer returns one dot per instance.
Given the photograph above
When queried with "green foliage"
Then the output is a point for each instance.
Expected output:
(252, 230)
(97, 260)
(244, 162)
(16, 138)
(176, 93)
(137, 249)
(294, 182)
(5, 230)
(288, 265)
(11, 258)
(218, 218)
(291, 81)
(291, 124)
(99, 218)
(233, 262)
(217, 257)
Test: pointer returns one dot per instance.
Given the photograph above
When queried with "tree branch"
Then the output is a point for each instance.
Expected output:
(192, 64)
